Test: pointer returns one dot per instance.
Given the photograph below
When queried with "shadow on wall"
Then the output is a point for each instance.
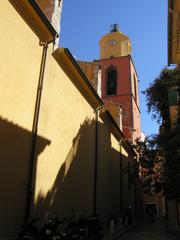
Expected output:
(108, 175)
(74, 184)
(15, 147)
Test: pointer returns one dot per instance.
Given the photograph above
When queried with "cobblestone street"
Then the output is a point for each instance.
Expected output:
(149, 229)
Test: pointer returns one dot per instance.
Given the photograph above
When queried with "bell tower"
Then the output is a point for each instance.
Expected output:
(114, 44)
(119, 82)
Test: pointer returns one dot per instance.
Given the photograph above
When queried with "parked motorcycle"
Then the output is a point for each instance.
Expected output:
(95, 228)
(29, 230)
(49, 230)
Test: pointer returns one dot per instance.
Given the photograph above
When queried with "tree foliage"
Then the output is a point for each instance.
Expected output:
(168, 139)
(157, 94)
(170, 142)
(151, 160)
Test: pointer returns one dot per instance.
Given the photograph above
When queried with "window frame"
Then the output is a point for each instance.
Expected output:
(109, 71)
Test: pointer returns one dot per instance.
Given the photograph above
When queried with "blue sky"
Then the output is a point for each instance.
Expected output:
(84, 22)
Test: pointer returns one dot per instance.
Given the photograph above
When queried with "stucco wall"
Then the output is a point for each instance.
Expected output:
(65, 142)
(20, 54)
(67, 120)
(20, 63)
(104, 165)
(110, 182)
(115, 176)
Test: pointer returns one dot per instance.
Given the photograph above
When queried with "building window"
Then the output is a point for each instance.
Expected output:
(111, 84)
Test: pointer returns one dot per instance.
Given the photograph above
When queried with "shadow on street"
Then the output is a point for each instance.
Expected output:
(148, 229)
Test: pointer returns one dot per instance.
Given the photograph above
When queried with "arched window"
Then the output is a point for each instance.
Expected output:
(111, 84)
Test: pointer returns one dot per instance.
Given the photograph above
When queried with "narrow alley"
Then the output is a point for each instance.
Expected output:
(149, 229)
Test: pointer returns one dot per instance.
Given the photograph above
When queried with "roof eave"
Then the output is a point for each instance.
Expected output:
(35, 18)
(116, 131)
(70, 66)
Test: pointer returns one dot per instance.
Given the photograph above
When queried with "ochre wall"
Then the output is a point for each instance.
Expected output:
(67, 120)
(105, 157)
(65, 142)
(115, 176)
(109, 198)
(20, 63)
(20, 54)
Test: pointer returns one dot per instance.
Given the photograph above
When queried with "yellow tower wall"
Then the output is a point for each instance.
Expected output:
(114, 44)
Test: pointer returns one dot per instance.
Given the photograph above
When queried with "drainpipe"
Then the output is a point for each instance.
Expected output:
(135, 199)
(121, 178)
(96, 162)
(166, 208)
(177, 212)
(30, 185)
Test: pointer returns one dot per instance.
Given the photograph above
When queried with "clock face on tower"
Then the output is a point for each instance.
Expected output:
(112, 42)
